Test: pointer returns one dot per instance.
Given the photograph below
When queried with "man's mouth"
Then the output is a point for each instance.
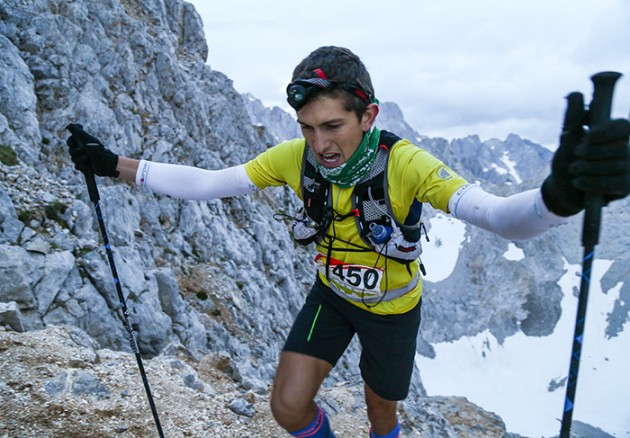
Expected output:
(329, 160)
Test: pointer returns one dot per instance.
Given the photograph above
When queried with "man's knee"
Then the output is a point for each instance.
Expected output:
(288, 405)
(297, 381)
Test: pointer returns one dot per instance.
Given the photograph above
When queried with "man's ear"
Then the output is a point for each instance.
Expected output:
(369, 116)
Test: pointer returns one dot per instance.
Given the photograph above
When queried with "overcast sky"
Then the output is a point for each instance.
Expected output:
(455, 67)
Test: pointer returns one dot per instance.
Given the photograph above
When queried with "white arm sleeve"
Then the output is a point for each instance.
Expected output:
(193, 183)
(516, 217)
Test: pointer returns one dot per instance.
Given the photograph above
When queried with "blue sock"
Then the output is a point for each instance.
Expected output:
(392, 434)
(318, 428)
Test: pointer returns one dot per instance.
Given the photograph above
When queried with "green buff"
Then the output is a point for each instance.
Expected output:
(353, 170)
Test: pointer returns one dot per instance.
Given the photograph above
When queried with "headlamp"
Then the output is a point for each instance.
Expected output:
(301, 90)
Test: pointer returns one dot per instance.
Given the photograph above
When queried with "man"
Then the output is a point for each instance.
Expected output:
(362, 189)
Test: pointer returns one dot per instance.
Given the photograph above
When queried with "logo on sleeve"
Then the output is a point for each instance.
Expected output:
(445, 173)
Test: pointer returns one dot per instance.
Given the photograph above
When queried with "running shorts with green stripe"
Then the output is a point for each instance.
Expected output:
(327, 323)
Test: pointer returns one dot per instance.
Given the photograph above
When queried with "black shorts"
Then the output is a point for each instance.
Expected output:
(326, 324)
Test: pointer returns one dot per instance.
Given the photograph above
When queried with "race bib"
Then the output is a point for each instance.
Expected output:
(362, 281)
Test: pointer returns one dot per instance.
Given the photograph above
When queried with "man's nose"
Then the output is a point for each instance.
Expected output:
(319, 140)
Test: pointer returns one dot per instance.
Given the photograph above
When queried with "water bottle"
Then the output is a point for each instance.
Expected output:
(379, 233)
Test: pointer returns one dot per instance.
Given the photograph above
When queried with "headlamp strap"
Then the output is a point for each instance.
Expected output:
(319, 72)
(361, 94)
(358, 91)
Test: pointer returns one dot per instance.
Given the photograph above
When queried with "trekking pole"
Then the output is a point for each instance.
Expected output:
(599, 112)
(94, 197)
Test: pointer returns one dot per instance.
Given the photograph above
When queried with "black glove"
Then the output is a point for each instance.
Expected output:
(597, 162)
(558, 191)
(603, 163)
(88, 153)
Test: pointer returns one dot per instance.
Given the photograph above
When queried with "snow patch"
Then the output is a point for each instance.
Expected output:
(511, 165)
(440, 254)
(514, 253)
(516, 380)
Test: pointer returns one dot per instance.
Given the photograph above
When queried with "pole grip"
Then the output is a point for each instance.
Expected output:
(599, 112)
(77, 129)
(601, 104)
(92, 187)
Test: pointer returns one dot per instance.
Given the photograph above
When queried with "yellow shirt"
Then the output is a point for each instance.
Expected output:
(413, 173)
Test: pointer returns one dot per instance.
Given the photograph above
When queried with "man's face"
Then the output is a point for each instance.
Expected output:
(332, 132)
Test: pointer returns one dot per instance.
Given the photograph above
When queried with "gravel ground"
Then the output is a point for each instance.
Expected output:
(55, 383)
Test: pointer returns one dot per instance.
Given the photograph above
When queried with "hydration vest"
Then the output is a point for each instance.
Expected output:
(370, 205)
